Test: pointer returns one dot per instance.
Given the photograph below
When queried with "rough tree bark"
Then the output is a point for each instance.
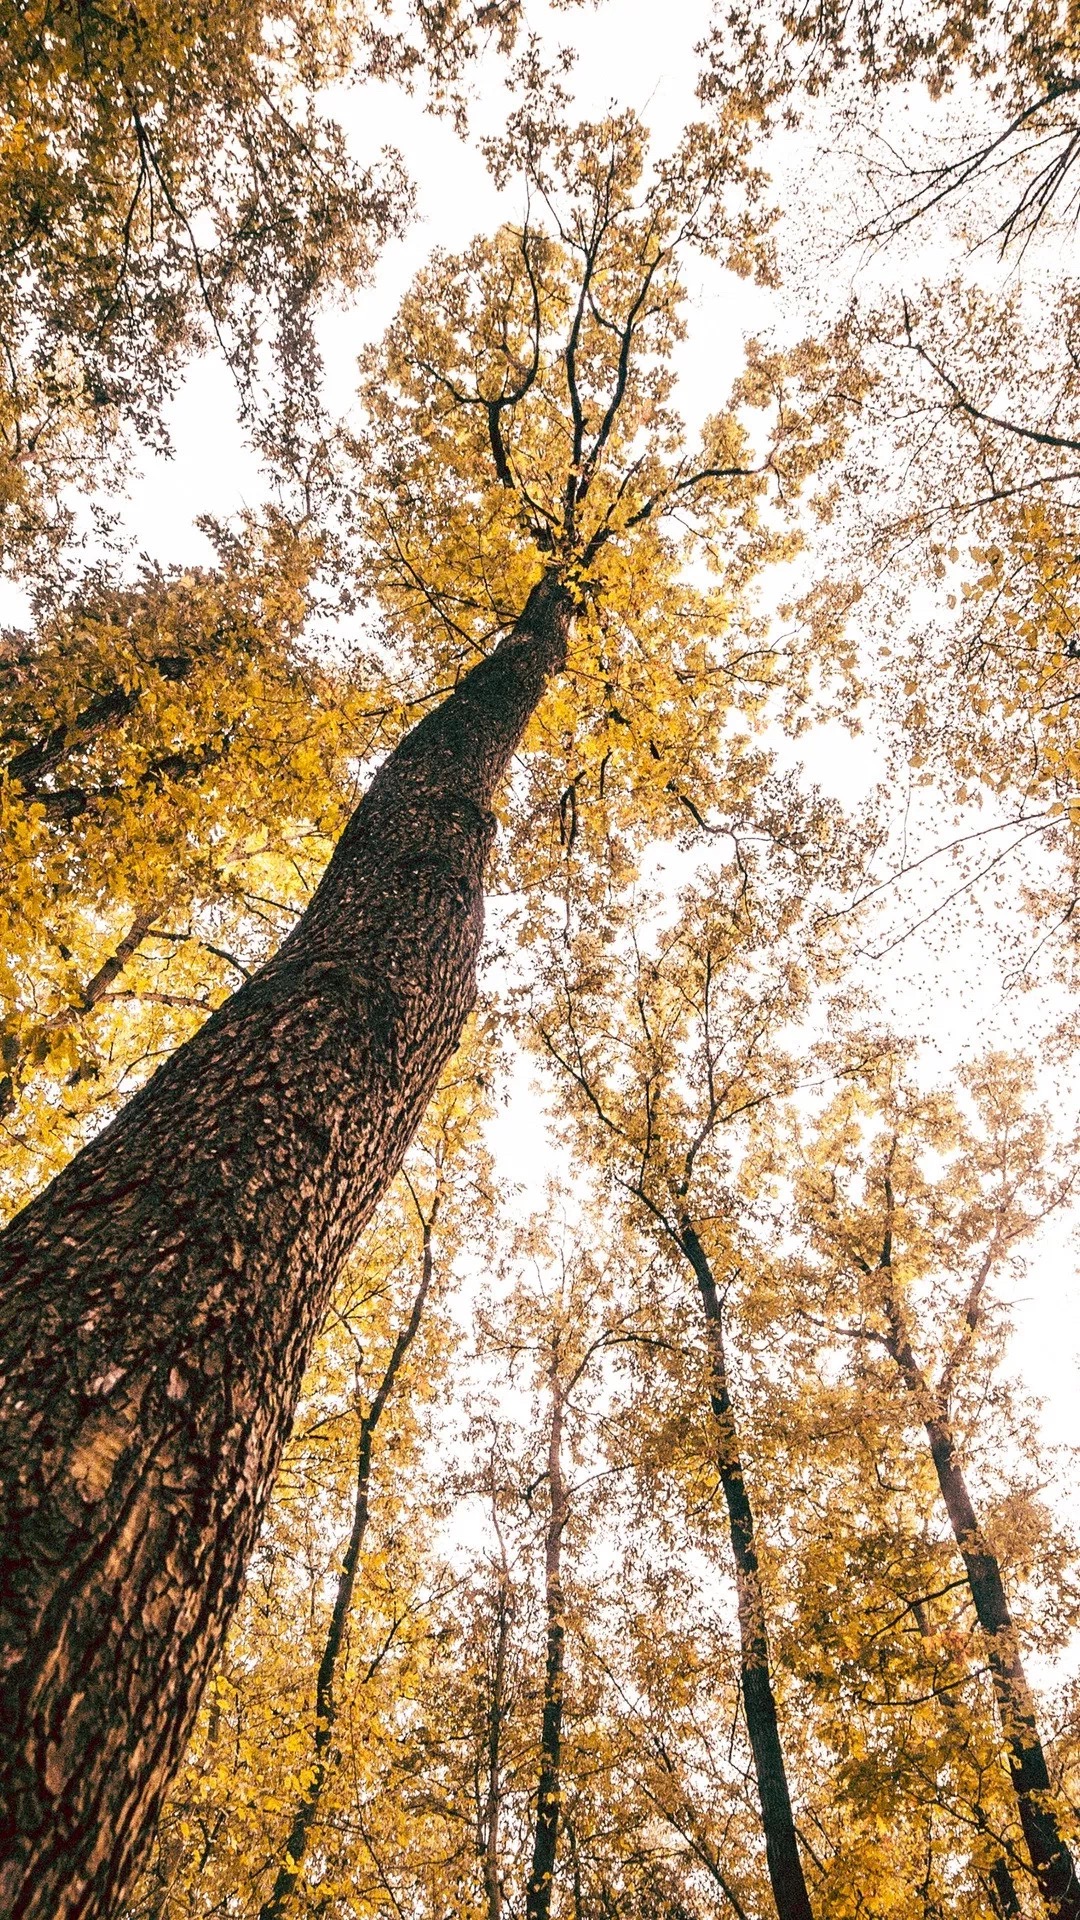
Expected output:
(276, 1905)
(1051, 1859)
(781, 1845)
(548, 1797)
(160, 1297)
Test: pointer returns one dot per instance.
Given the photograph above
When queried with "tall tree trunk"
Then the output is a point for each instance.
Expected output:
(160, 1297)
(781, 1845)
(1002, 1891)
(548, 1798)
(997, 1880)
(493, 1890)
(307, 1806)
(1051, 1859)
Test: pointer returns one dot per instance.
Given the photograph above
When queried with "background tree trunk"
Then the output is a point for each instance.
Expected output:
(160, 1297)
(490, 1835)
(1051, 1858)
(998, 1880)
(307, 1806)
(545, 1838)
(781, 1844)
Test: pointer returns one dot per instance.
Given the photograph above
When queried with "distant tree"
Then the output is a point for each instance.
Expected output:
(903, 1263)
(658, 1084)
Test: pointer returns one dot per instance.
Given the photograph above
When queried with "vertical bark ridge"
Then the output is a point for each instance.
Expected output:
(781, 1844)
(158, 1300)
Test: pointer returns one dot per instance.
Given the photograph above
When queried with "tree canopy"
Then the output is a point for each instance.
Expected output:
(539, 1424)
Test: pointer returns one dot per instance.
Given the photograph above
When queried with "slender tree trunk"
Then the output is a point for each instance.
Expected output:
(998, 1880)
(307, 1806)
(575, 1870)
(1003, 1893)
(548, 1797)
(94, 991)
(43, 756)
(781, 1845)
(493, 1800)
(160, 1297)
(685, 1824)
(1051, 1859)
